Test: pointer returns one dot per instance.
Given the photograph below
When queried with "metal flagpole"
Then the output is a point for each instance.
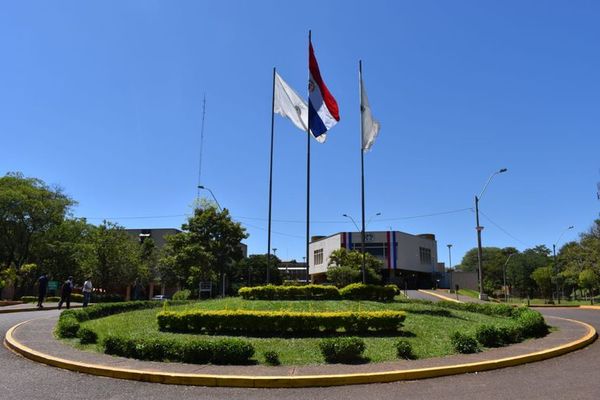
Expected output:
(308, 171)
(270, 180)
(362, 174)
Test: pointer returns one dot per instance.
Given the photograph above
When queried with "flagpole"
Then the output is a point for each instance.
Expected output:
(270, 180)
(362, 174)
(308, 174)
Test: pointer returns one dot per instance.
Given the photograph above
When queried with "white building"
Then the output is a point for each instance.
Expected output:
(408, 260)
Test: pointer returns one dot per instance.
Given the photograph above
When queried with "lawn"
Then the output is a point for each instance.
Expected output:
(427, 327)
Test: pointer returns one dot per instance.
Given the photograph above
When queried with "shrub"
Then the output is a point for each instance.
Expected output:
(67, 327)
(490, 336)
(197, 351)
(29, 299)
(531, 322)
(463, 343)
(271, 358)
(355, 291)
(232, 351)
(404, 350)
(306, 292)
(359, 291)
(342, 349)
(182, 294)
(278, 322)
(87, 336)
(106, 298)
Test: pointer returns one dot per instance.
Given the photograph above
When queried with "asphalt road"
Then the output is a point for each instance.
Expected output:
(573, 376)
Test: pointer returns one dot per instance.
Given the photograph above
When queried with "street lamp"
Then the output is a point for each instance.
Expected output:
(478, 228)
(362, 231)
(449, 256)
(351, 219)
(220, 209)
(212, 194)
(555, 263)
(504, 277)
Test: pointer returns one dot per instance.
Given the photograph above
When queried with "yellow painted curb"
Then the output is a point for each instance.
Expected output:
(439, 296)
(295, 381)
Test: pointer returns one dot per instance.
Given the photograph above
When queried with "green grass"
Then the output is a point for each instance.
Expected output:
(428, 334)
(469, 293)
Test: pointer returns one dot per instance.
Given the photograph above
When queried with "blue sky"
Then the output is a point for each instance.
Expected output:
(104, 98)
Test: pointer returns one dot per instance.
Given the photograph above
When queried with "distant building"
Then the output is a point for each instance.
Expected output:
(293, 271)
(408, 260)
(156, 234)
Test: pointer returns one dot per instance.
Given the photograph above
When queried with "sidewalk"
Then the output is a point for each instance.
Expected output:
(33, 307)
(444, 294)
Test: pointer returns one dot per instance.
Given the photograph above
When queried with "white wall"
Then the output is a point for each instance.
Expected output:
(407, 257)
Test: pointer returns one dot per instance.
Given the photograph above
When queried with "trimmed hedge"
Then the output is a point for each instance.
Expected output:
(354, 291)
(194, 351)
(342, 349)
(358, 291)
(306, 292)
(69, 320)
(278, 322)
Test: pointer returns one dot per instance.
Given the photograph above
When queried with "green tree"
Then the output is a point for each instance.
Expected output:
(28, 209)
(253, 270)
(522, 265)
(492, 261)
(543, 278)
(345, 267)
(62, 252)
(589, 280)
(208, 246)
(112, 258)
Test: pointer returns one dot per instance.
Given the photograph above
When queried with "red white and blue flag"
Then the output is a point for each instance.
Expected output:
(323, 112)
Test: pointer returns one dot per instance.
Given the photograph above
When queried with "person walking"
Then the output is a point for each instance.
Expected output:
(42, 288)
(65, 295)
(87, 291)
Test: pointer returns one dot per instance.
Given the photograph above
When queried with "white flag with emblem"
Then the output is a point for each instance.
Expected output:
(370, 126)
(289, 105)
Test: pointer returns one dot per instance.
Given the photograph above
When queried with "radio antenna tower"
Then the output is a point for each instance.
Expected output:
(201, 147)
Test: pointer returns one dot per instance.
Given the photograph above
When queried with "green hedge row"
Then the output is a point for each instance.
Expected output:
(526, 323)
(355, 291)
(278, 322)
(69, 320)
(195, 351)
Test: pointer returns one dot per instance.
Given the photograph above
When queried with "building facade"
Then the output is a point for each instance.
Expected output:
(408, 260)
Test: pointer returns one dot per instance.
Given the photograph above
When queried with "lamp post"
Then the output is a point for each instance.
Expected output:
(220, 209)
(504, 277)
(362, 235)
(212, 194)
(449, 256)
(555, 263)
(478, 228)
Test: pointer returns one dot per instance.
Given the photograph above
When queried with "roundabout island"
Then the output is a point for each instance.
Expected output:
(270, 343)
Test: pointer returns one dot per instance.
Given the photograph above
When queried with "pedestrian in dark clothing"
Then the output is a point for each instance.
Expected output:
(65, 295)
(42, 288)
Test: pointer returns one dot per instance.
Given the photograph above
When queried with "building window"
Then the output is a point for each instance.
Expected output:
(425, 255)
(318, 257)
(375, 249)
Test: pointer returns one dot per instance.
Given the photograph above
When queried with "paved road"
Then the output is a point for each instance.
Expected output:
(573, 376)
(415, 294)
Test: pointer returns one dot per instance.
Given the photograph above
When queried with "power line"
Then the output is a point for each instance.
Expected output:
(502, 229)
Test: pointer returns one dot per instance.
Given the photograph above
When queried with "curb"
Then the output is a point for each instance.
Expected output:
(439, 296)
(295, 381)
